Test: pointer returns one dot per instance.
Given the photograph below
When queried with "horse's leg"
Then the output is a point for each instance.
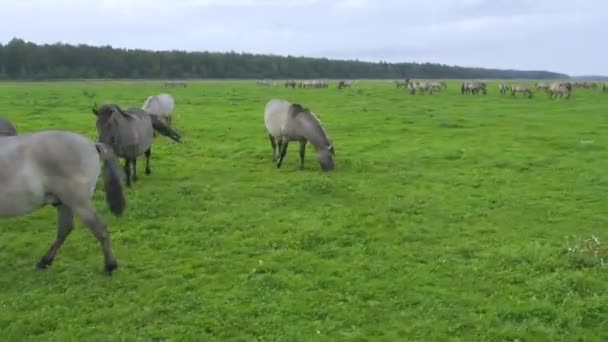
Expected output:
(279, 143)
(65, 224)
(128, 171)
(273, 144)
(90, 218)
(282, 152)
(148, 154)
(134, 162)
(302, 153)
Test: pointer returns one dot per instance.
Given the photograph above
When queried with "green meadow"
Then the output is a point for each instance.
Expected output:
(448, 217)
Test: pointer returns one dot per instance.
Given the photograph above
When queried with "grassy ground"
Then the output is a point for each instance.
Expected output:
(447, 217)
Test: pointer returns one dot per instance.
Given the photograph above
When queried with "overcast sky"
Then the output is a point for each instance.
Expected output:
(566, 36)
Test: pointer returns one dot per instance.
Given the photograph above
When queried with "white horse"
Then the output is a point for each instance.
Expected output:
(161, 105)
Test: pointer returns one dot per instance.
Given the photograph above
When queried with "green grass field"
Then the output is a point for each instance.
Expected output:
(448, 217)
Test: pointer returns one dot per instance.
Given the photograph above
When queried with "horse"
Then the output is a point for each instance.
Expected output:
(7, 128)
(542, 85)
(412, 86)
(402, 83)
(605, 87)
(290, 83)
(503, 88)
(560, 89)
(518, 88)
(473, 88)
(60, 168)
(344, 84)
(286, 122)
(430, 86)
(161, 105)
(130, 133)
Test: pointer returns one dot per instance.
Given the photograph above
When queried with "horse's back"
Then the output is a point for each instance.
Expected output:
(167, 103)
(68, 150)
(134, 136)
(161, 104)
(275, 116)
(41, 167)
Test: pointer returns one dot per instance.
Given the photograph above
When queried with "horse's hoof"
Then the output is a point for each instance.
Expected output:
(43, 264)
(111, 267)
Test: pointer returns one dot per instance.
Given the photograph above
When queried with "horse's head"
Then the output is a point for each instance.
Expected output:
(326, 157)
(108, 119)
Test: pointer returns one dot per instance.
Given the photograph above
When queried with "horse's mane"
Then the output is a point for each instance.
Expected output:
(116, 109)
(297, 108)
(148, 100)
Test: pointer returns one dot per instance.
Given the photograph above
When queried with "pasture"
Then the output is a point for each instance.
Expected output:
(447, 216)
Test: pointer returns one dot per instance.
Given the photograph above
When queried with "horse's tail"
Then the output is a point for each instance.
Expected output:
(112, 178)
(163, 129)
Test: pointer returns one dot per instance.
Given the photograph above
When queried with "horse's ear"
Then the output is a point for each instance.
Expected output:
(119, 110)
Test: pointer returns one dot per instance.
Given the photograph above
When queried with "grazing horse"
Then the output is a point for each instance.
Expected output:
(519, 88)
(542, 85)
(130, 133)
(473, 88)
(430, 86)
(60, 168)
(560, 89)
(287, 122)
(161, 105)
(344, 84)
(402, 83)
(7, 128)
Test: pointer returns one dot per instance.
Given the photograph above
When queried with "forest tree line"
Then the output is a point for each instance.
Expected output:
(21, 60)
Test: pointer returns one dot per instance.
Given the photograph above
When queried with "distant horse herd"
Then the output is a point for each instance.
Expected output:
(554, 89)
(61, 168)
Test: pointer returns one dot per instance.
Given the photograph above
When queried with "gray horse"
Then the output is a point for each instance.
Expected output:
(344, 84)
(503, 88)
(473, 88)
(561, 89)
(7, 128)
(130, 134)
(60, 168)
(287, 122)
(520, 88)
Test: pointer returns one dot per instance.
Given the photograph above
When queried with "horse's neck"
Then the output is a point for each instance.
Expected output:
(316, 135)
